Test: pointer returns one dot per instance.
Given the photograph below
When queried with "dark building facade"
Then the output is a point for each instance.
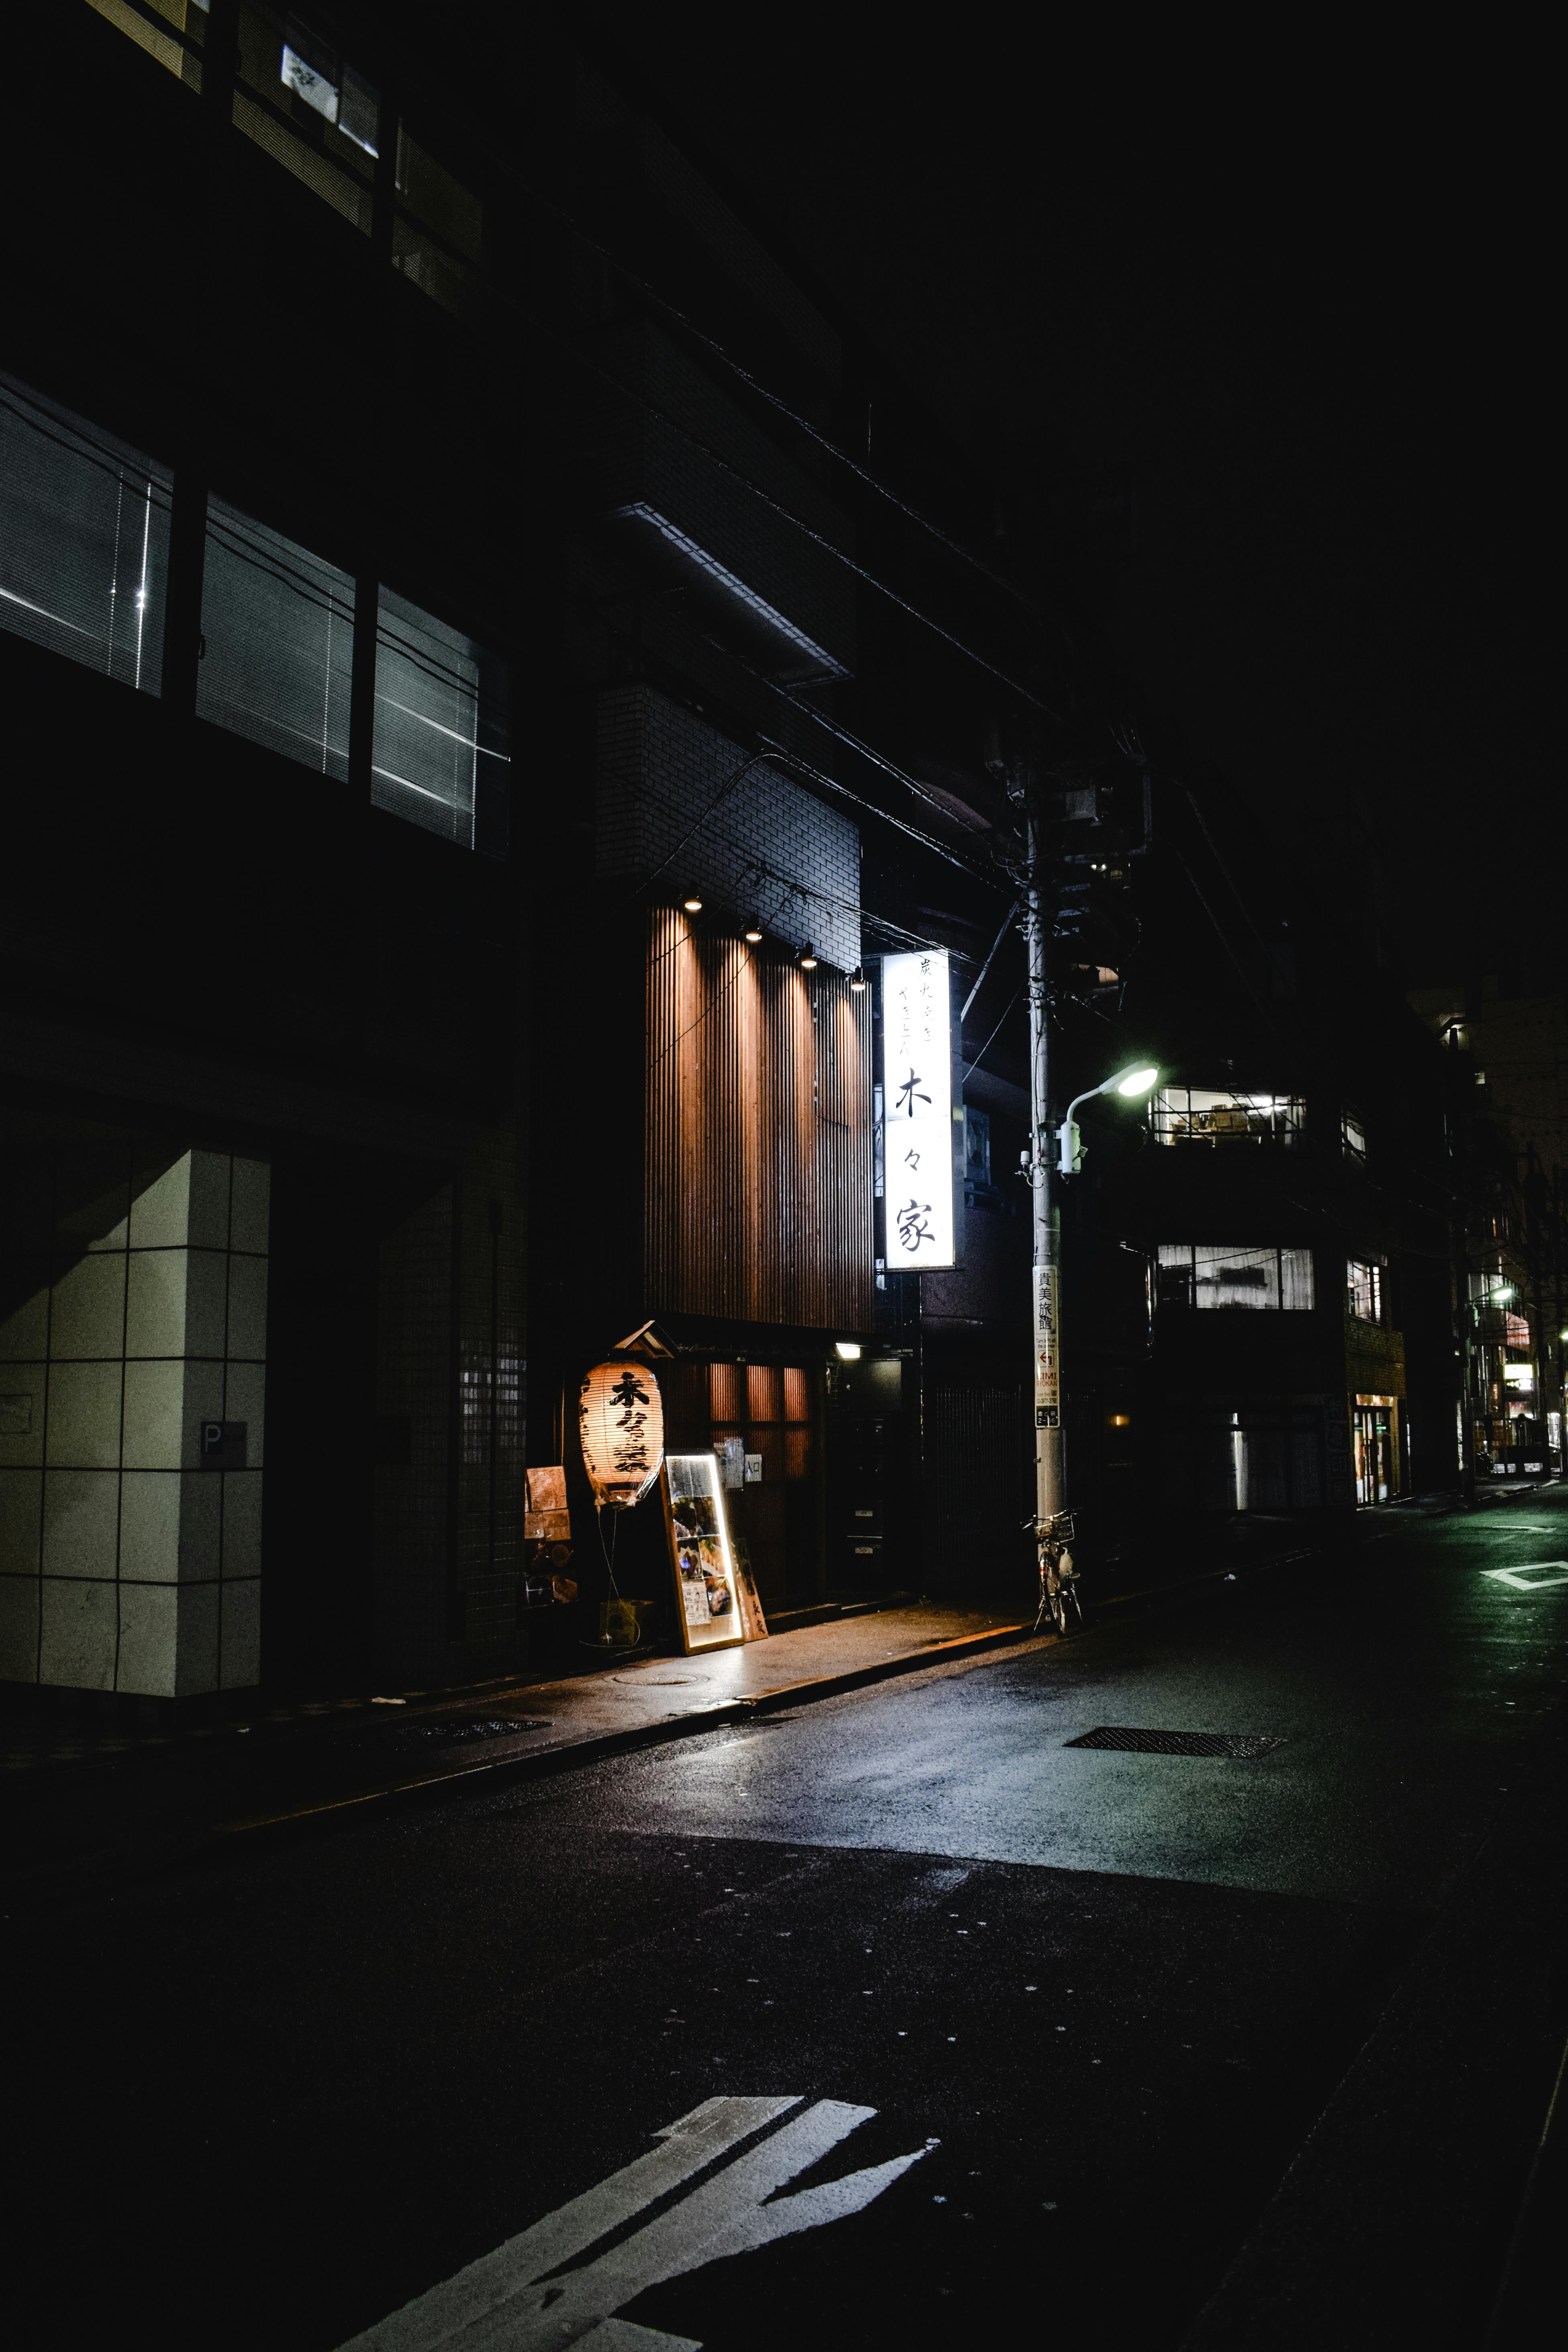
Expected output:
(476, 727)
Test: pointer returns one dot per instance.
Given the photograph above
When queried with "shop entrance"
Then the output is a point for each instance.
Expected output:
(774, 1410)
(768, 1416)
(1376, 1451)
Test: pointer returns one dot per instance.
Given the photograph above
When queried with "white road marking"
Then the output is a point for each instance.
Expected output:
(626, 2336)
(508, 2302)
(688, 2145)
(1531, 1576)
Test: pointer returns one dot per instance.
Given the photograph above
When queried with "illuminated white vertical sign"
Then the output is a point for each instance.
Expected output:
(917, 1110)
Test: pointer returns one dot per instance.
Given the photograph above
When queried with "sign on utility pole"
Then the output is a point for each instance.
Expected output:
(1046, 1213)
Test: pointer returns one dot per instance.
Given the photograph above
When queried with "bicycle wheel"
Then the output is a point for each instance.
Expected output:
(1059, 1611)
(1076, 1604)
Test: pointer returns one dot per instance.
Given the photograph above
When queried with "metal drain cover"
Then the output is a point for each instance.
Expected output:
(492, 1728)
(1241, 1745)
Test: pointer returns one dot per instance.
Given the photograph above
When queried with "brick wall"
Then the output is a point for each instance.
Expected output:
(769, 847)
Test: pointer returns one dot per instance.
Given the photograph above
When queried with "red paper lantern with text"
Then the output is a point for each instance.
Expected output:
(621, 1417)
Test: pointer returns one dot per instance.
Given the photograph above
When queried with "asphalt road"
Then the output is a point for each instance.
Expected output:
(966, 2034)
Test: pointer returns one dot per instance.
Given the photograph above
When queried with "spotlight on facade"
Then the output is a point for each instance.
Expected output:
(808, 958)
(753, 935)
(858, 979)
(692, 905)
(847, 1351)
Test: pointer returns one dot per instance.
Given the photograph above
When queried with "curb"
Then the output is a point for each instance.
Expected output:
(570, 1755)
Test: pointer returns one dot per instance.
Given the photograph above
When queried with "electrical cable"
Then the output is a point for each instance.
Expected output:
(990, 959)
(778, 755)
(973, 1065)
(776, 506)
(803, 423)
(754, 760)
(1269, 1021)
(1225, 870)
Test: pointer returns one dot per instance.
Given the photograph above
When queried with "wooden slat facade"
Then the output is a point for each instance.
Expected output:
(758, 1158)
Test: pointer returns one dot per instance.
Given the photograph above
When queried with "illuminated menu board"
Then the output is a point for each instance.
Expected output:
(708, 1600)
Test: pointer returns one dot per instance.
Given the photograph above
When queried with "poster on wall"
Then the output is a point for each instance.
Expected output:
(917, 1110)
(706, 1594)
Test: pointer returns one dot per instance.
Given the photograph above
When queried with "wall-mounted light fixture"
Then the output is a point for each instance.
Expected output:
(692, 905)
(847, 1351)
(858, 979)
(808, 958)
(753, 935)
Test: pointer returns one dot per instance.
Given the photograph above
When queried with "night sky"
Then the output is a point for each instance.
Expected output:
(1298, 301)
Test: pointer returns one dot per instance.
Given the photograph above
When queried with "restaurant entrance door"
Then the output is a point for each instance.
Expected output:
(1376, 1453)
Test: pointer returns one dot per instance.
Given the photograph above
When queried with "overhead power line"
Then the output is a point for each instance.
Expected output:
(803, 423)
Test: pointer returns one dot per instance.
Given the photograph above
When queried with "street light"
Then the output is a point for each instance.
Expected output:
(1138, 1078)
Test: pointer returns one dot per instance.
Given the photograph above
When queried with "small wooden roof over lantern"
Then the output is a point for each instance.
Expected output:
(620, 1416)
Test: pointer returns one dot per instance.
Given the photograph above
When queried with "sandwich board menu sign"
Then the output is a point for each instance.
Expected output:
(706, 1594)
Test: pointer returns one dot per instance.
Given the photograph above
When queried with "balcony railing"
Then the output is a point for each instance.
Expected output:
(1203, 1115)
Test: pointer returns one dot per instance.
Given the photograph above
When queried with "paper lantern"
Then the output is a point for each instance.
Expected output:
(621, 1419)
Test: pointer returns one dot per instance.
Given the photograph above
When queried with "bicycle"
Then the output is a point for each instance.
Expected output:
(1059, 1576)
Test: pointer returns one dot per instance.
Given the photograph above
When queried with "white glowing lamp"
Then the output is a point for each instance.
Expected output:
(1138, 1078)
(620, 1418)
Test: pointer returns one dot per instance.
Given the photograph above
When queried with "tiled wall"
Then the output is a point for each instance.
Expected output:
(769, 845)
(136, 1310)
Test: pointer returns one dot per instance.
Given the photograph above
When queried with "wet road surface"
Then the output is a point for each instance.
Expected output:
(966, 2033)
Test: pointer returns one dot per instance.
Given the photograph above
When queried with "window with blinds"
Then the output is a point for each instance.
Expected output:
(1202, 1274)
(84, 537)
(172, 32)
(440, 755)
(309, 109)
(437, 232)
(278, 633)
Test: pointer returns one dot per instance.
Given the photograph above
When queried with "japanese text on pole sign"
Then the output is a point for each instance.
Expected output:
(917, 1099)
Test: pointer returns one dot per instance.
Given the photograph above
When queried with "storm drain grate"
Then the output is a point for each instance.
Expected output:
(1241, 1745)
(420, 1734)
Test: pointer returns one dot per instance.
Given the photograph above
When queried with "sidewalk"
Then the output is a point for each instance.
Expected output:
(84, 1807)
(122, 1809)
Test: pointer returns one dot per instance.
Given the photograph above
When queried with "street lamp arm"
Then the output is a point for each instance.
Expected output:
(1137, 1078)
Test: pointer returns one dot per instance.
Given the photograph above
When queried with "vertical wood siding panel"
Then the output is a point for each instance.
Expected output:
(759, 1137)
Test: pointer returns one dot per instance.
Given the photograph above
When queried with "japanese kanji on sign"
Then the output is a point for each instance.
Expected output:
(917, 1110)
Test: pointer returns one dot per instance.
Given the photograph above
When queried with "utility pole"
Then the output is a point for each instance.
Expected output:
(1559, 1389)
(1535, 1222)
(1046, 1213)
(1463, 1315)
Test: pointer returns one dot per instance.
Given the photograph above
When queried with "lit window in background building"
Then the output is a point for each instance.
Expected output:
(309, 109)
(1364, 1289)
(1354, 1136)
(1204, 1274)
(84, 537)
(1192, 1115)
